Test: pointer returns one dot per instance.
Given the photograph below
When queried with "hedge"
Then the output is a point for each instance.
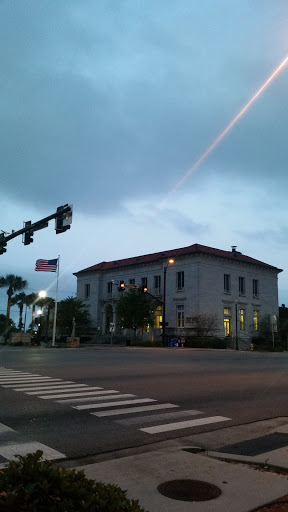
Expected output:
(31, 485)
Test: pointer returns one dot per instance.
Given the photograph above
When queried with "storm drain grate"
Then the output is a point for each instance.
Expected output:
(257, 446)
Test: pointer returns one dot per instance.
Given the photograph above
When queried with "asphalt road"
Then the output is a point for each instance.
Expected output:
(181, 388)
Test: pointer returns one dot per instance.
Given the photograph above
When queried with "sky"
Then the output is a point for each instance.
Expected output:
(107, 105)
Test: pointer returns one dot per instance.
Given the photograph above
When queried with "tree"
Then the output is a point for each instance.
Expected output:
(72, 308)
(135, 310)
(3, 324)
(14, 284)
(204, 324)
(19, 300)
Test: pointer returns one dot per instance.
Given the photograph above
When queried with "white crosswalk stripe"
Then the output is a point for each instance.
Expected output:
(97, 398)
(32, 385)
(26, 379)
(70, 393)
(43, 386)
(52, 392)
(183, 424)
(89, 398)
(157, 417)
(12, 443)
(111, 404)
(130, 410)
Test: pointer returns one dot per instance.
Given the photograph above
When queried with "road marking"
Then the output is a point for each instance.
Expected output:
(26, 380)
(41, 385)
(4, 428)
(130, 410)
(157, 417)
(111, 404)
(11, 450)
(52, 390)
(89, 398)
(105, 397)
(184, 424)
(13, 372)
(70, 393)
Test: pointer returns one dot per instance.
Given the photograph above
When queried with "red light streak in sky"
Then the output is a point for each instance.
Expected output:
(228, 128)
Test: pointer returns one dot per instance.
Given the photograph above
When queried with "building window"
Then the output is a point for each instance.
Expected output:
(131, 281)
(157, 282)
(158, 317)
(144, 281)
(241, 285)
(256, 320)
(87, 291)
(109, 287)
(226, 283)
(180, 280)
(180, 316)
(242, 319)
(255, 287)
(227, 321)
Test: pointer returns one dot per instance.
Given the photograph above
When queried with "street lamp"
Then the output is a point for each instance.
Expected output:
(42, 294)
(236, 325)
(170, 261)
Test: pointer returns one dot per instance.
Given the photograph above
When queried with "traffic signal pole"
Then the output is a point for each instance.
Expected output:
(30, 228)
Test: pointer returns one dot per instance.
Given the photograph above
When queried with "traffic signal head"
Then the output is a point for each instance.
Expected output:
(121, 286)
(63, 219)
(28, 234)
(2, 244)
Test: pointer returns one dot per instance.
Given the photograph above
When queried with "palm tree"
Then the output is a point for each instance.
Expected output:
(19, 300)
(14, 284)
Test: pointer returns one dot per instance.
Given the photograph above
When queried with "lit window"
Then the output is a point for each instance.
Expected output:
(255, 287)
(241, 285)
(87, 290)
(180, 280)
(227, 326)
(256, 320)
(157, 282)
(180, 316)
(109, 287)
(242, 319)
(226, 283)
(227, 321)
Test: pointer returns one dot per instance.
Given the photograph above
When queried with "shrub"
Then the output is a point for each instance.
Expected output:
(136, 343)
(32, 485)
(208, 342)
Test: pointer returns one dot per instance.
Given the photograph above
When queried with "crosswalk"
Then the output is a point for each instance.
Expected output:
(13, 443)
(107, 403)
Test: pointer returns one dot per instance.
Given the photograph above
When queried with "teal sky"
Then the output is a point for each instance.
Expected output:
(108, 104)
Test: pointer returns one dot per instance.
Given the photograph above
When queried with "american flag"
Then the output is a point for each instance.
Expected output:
(46, 265)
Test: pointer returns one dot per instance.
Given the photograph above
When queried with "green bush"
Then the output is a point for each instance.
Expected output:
(146, 343)
(32, 485)
(209, 342)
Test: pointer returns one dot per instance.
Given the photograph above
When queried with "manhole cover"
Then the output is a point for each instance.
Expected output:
(189, 490)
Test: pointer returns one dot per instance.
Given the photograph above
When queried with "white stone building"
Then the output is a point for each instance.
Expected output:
(202, 281)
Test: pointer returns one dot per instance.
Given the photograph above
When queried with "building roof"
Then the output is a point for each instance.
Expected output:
(164, 255)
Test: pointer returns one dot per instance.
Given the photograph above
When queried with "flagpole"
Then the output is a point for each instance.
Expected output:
(56, 300)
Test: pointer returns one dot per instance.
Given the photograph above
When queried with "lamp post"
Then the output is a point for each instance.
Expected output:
(170, 261)
(236, 325)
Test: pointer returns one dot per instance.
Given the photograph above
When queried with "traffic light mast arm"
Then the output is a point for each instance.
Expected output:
(153, 296)
(40, 224)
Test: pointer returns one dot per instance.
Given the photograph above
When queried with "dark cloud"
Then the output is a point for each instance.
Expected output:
(105, 101)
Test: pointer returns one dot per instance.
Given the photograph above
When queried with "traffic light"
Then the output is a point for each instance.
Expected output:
(144, 288)
(63, 220)
(2, 244)
(28, 234)
(121, 286)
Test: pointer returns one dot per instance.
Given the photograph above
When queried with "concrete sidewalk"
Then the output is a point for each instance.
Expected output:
(242, 488)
